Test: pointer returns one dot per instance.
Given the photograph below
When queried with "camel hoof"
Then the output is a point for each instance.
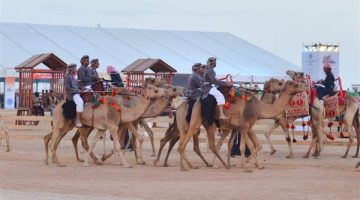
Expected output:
(273, 152)
(248, 171)
(260, 167)
(291, 156)
(61, 165)
(207, 165)
(355, 156)
(152, 155)
(358, 165)
(227, 166)
(7, 150)
(86, 164)
(184, 169)
(306, 156)
(141, 162)
(166, 165)
(80, 160)
(98, 163)
(215, 167)
(127, 166)
(155, 162)
(46, 162)
(344, 156)
(194, 167)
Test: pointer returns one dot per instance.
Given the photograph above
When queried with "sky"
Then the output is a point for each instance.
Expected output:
(279, 26)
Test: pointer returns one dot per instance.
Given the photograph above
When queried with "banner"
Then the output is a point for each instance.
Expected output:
(9, 97)
(313, 63)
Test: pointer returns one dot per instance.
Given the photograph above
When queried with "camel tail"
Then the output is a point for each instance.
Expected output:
(171, 127)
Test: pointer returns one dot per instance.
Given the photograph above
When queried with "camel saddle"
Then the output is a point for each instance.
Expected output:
(332, 103)
(89, 96)
(298, 106)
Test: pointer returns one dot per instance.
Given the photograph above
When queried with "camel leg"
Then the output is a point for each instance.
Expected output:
(92, 146)
(282, 123)
(267, 135)
(186, 140)
(55, 140)
(74, 140)
(171, 145)
(140, 139)
(47, 140)
(168, 136)
(357, 130)
(151, 136)
(121, 134)
(117, 150)
(351, 139)
(255, 146)
(197, 149)
(230, 146)
(357, 165)
(244, 138)
(210, 130)
(218, 147)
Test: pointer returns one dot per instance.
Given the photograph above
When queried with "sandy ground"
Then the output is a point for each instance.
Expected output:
(23, 175)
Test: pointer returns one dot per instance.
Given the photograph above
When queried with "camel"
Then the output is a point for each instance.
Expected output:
(102, 118)
(172, 133)
(156, 107)
(350, 110)
(242, 116)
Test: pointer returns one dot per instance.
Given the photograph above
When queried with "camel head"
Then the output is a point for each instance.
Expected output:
(174, 91)
(153, 92)
(296, 76)
(293, 88)
(274, 85)
(157, 81)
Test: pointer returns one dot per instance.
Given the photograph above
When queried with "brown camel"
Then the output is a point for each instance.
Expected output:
(104, 117)
(350, 110)
(172, 133)
(242, 116)
(156, 107)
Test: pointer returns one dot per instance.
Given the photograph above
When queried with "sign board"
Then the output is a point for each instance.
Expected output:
(313, 63)
(9, 97)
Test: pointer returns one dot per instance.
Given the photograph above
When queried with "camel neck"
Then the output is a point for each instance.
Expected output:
(268, 97)
(269, 111)
(134, 113)
(157, 106)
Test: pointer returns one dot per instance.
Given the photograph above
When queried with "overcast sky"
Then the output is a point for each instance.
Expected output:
(279, 26)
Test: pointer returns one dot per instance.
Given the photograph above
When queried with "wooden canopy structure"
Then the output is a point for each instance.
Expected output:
(27, 73)
(136, 72)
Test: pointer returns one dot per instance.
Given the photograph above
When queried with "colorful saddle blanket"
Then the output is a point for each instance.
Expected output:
(298, 106)
(332, 104)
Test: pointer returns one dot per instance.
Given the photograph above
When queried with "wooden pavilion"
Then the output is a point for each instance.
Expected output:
(28, 73)
(136, 72)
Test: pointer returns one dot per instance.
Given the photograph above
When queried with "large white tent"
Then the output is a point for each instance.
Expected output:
(120, 47)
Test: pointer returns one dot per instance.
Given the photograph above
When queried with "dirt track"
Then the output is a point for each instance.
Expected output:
(25, 176)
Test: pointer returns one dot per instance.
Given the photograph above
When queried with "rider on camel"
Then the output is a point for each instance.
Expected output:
(73, 92)
(210, 83)
(328, 83)
(194, 84)
(85, 73)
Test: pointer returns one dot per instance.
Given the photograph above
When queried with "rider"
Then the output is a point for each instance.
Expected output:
(196, 81)
(84, 73)
(94, 64)
(72, 91)
(210, 83)
(328, 83)
(194, 84)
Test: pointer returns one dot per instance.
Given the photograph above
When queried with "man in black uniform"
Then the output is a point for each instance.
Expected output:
(328, 83)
